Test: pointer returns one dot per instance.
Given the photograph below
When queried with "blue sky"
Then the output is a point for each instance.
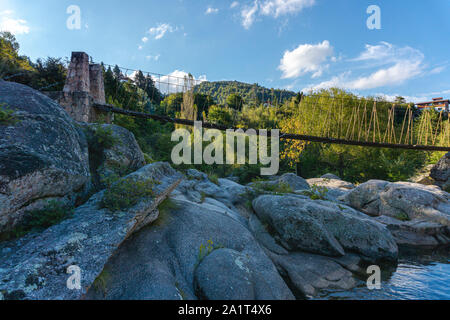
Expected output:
(292, 44)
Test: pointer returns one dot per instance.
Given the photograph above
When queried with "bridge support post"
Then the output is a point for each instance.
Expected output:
(83, 88)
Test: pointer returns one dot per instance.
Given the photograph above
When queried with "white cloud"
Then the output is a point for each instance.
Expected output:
(396, 65)
(140, 47)
(438, 70)
(211, 10)
(273, 8)
(395, 75)
(248, 14)
(155, 58)
(174, 82)
(144, 39)
(306, 58)
(6, 13)
(385, 53)
(160, 30)
(234, 5)
(278, 8)
(13, 25)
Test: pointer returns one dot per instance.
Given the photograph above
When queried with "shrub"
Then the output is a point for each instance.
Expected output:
(7, 116)
(214, 178)
(402, 216)
(164, 209)
(126, 192)
(316, 192)
(277, 188)
(101, 283)
(102, 138)
(148, 159)
(39, 220)
(204, 251)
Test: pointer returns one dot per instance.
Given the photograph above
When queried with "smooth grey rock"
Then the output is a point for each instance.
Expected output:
(225, 274)
(441, 171)
(35, 267)
(263, 236)
(417, 233)
(42, 156)
(335, 188)
(294, 181)
(160, 261)
(366, 197)
(295, 230)
(195, 174)
(234, 179)
(310, 274)
(322, 227)
(330, 176)
(124, 157)
(416, 202)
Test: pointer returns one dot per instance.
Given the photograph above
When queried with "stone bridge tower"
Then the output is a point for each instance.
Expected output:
(84, 87)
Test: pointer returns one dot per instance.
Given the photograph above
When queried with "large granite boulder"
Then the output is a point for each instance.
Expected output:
(330, 176)
(419, 209)
(308, 274)
(401, 200)
(331, 187)
(417, 233)
(43, 154)
(441, 172)
(194, 250)
(123, 157)
(35, 267)
(291, 180)
(322, 227)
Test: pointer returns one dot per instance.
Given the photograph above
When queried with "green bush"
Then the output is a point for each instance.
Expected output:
(102, 138)
(164, 209)
(7, 116)
(39, 220)
(316, 192)
(148, 159)
(277, 188)
(214, 178)
(204, 251)
(126, 192)
(402, 216)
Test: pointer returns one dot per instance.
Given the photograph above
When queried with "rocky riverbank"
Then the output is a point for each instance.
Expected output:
(212, 239)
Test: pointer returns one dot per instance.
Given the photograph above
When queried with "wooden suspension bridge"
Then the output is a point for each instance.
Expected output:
(315, 118)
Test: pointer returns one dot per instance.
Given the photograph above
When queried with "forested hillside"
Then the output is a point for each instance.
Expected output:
(252, 94)
(237, 104)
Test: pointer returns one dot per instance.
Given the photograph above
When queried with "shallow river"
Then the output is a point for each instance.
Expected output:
(424, 277)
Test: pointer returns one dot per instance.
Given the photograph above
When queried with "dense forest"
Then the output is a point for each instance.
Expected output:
(244, 105)
(251, 94)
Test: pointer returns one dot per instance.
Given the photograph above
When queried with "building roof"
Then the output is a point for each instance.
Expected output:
(434, 101)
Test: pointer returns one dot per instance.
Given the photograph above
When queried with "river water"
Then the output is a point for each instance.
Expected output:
(417, 277)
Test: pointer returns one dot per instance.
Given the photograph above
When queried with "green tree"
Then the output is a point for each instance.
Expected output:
(10, 61)
(220, 115)
(235, 101)
(50, 74)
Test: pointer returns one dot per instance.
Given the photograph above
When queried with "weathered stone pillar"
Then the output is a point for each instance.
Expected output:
(84, 87)
(78, 78)
(97, 89)
(97, 93)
